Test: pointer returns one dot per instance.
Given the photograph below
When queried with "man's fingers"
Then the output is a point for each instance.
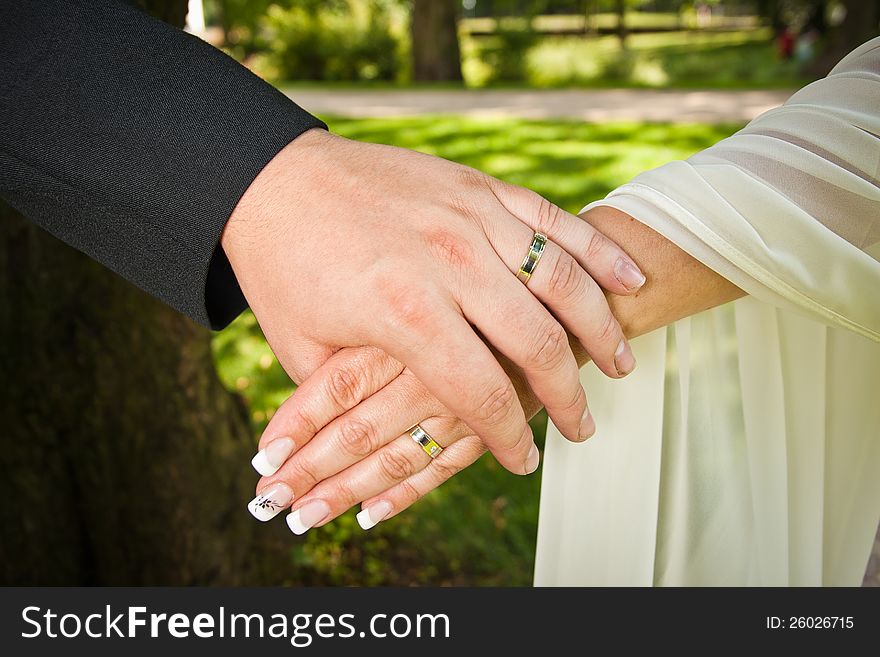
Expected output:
(578, 302)
(607, 263)
(516, 324)
(446, 355)
(341, 383)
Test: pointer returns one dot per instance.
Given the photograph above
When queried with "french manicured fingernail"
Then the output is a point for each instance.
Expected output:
(588, 426)
(270, 501)
(373, 514)
(624, 360)
(532, 459)
(272, 456)
(307, 516)
(628, 274)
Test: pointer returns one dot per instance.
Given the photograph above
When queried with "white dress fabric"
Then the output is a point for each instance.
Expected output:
(745, 447)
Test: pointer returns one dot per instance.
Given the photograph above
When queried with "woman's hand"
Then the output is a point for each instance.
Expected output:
(340, 244)
(337, 446)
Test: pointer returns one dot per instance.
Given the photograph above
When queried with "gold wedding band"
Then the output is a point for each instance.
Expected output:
(425, 441)
(533, 257)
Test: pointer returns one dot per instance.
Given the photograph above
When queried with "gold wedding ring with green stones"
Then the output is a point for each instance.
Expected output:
(423, 438)
(533, 257)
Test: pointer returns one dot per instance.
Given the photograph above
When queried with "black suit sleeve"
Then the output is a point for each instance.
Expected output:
(133, 141)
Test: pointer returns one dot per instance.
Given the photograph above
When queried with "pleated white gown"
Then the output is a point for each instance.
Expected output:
(745, 448)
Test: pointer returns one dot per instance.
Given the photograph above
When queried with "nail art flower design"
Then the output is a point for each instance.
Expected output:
(266, 503)
(270, 501)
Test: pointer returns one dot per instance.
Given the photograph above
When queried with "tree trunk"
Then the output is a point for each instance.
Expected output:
(772, 11)
(620, 10)
(124, 460)
(435, 50)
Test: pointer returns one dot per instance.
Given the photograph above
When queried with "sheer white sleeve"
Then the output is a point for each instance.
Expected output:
(788, 208)
(753, 454)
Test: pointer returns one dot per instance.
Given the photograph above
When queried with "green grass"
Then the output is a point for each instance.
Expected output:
(479, 528)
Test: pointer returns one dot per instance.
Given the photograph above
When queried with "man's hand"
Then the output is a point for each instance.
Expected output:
(340, 244)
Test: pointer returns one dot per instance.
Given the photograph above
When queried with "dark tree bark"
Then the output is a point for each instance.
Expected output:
(435, 50)
(123, 460)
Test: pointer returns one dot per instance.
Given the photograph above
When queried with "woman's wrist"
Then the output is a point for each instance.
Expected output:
(677, 285)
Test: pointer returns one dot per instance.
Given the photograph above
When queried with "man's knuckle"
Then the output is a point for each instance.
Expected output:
(450, 249)
(565, 279)
(549, 218)
(608, 329)
(497, 404)
(473, 447)
(550, 347)
(595, 245)
(576, 401)
(523, 443)
(409, 312)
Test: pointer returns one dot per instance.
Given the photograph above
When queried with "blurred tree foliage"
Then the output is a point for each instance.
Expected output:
(340, 40)
(239, 20)
(313, 39)
(506, 52)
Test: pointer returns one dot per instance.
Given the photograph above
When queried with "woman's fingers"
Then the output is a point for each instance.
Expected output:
(356, 435)
(607, 263)
(399, 497)
(341, 383)
(394, 463)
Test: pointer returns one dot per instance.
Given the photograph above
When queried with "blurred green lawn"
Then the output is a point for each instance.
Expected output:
(479, 528)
